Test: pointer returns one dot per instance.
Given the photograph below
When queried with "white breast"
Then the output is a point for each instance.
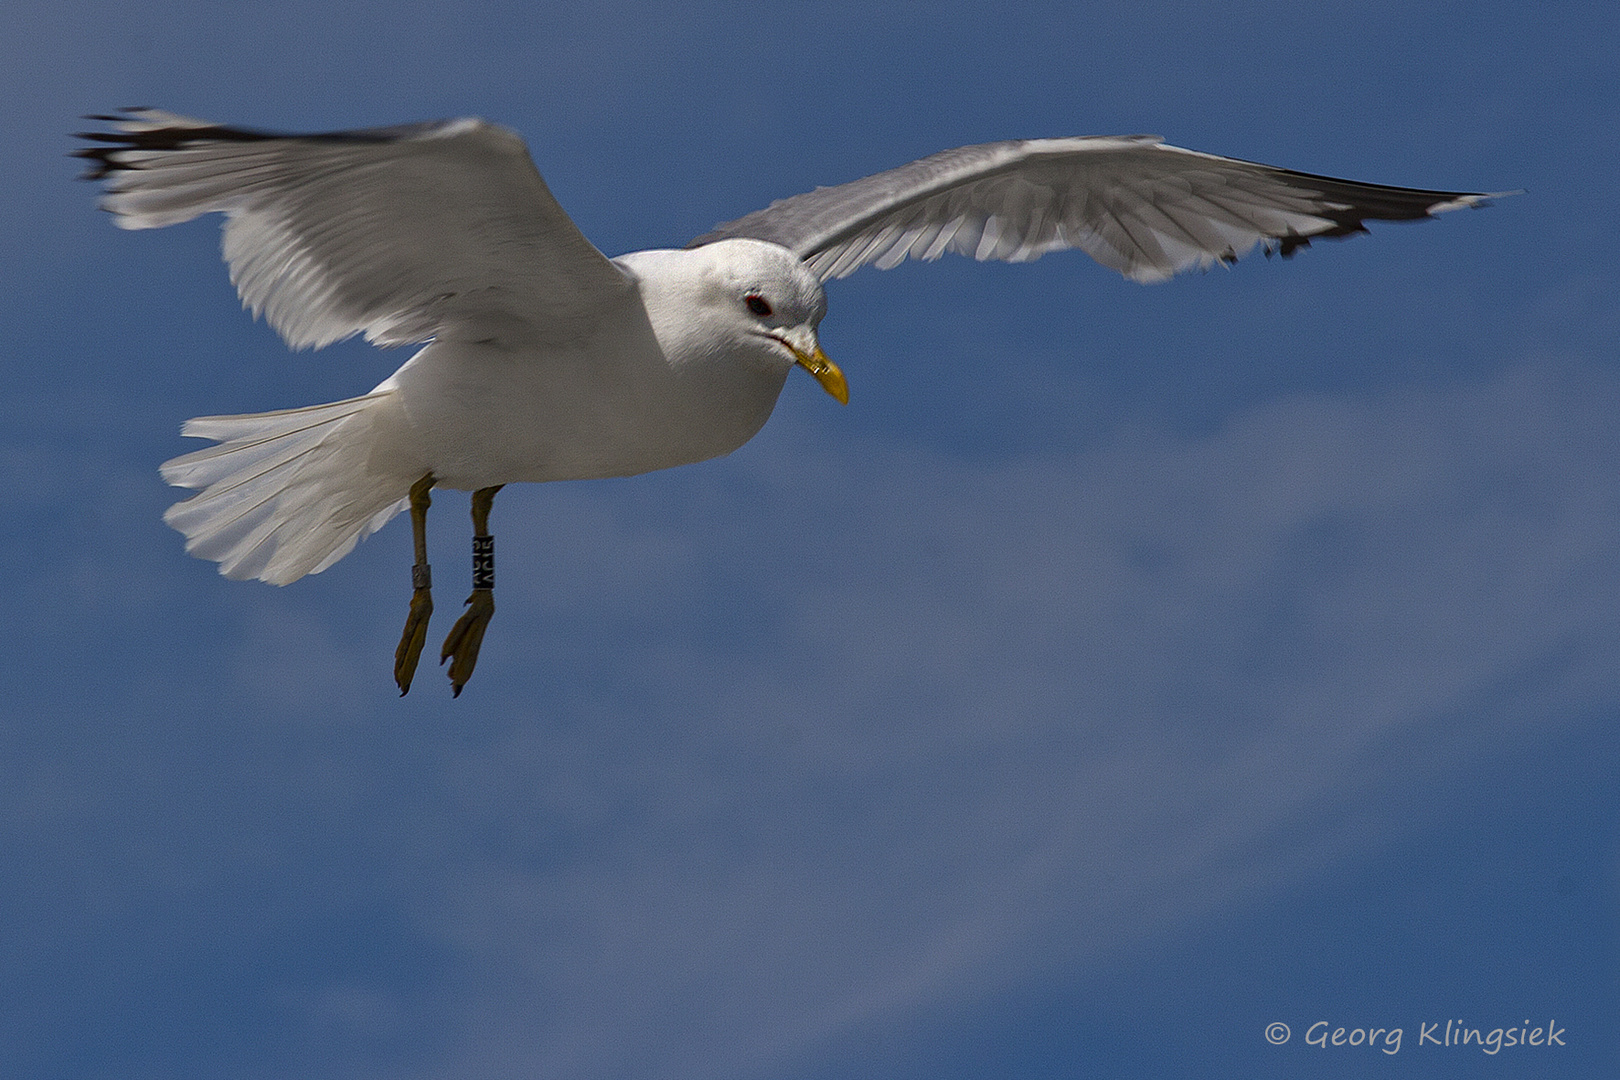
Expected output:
(644, 392)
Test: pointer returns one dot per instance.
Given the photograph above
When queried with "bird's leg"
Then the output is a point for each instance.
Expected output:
(416, 623)
(461, 647)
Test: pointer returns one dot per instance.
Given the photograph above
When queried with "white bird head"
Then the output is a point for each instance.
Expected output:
(737, 301)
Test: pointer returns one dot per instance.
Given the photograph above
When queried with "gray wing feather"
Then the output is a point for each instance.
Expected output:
(402, 233)
(1132, 203)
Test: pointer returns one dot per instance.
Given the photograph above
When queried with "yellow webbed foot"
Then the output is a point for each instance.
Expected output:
(461, 647)
(411, 641)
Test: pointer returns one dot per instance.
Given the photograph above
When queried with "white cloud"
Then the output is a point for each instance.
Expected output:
(998, 717)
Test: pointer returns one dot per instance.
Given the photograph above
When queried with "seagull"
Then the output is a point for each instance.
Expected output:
(543, 359)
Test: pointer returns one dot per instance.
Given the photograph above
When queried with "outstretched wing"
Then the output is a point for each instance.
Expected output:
(1132, 203)
(403, 233)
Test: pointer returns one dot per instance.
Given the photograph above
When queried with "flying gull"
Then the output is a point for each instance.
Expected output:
(546, 360)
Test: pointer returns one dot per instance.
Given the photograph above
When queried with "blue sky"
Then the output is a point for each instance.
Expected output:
(1124, 670)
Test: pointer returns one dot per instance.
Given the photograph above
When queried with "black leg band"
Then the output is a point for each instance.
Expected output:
(422, 576)
(483, 562)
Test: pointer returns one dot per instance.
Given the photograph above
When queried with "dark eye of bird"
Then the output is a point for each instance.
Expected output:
(757, 304)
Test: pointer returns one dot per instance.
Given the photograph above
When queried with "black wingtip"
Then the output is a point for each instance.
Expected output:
(118, 117)
(106, 158)
(101, 163)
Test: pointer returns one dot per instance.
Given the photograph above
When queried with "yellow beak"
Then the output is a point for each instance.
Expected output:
(825, 371)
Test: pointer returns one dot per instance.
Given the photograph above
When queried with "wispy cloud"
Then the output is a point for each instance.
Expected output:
(1003, 717)
(772, 749)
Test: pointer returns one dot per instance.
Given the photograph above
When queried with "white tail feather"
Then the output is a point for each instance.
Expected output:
(285, 493)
